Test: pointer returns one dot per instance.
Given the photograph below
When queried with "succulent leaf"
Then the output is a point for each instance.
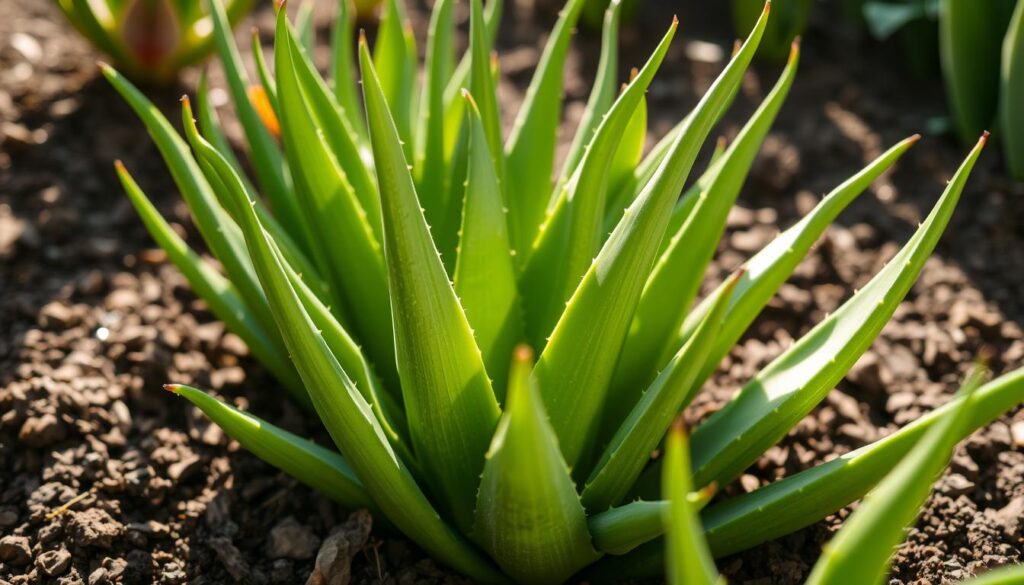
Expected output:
(451, 407)
(688, 560)
(792, 384)
(528, 515)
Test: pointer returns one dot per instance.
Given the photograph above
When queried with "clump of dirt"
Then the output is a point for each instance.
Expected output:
(104, 478)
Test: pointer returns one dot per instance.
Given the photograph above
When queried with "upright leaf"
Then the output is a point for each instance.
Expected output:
(789, 387)
(343, 75)
(1011, 95)
(574, 371)
(485, 278)
(645, 425)
(688, 559)
(676, 277)
(528, 515)
(345, 243)
(531, 146)
(450, 405)
(969, 48)
(429, 168)
(574, 230)
(602, 95)
(483, 87)
(397, 72)
(267, 162)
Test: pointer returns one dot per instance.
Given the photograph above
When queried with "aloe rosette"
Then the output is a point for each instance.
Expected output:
(495, 343)
(149, 40)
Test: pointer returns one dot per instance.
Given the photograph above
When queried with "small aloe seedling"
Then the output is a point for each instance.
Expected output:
(497, 344)
(150, 40)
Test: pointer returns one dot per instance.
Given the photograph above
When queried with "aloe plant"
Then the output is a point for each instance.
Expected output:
(495, 344)
(150, 40)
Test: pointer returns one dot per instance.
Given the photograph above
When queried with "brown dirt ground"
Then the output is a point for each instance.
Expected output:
(93, 320)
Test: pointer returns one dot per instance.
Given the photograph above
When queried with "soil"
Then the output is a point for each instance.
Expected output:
(104, 478)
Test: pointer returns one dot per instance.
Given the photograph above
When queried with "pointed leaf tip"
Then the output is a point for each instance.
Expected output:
(523, 354)
(172, 387)
(984, 138)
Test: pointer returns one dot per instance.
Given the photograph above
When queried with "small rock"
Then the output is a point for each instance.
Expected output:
(291, 540)
(334, 561)
(54, 562)
(954, 485)
(1011, 517)
(230, 557)
(1017, 434)
(184, 469)
(94, 527)
(749, 482)
(40, 431)
(15, 550)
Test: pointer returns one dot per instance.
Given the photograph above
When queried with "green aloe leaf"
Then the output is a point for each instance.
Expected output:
(305, 32)
(531, 145)
(345, 242)
(861, 551)
(343, 75)
(342, 346)
(485, 278)
(454, 114)
(767, 270)
(574, 230)
(321, 469)
(528, 515)
(397, 72)
(429, 168)
(643, 427)
(576, 367)
(289, 248)
(1011, 95)
(688, 559)
(350, 419)
(81, 14)
(222, 297)
(630, 150)
(267, 163)
(676, 277)
(450, 405)
(266, 79)
(209, 122)
(970, 40)
(1011, 575)
(789, 387)
(602, 95)
(339, 135)
(483, 86)
(791, 503)
(218, 231)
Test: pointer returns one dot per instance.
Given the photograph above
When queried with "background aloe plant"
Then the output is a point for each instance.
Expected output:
(398, 262)
(150, 40)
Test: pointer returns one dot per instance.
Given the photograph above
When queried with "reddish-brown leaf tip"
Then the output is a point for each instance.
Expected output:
(767, 6)
(362, 36)
(523, 353)
(794, 49)
(984, 138)
(913, 139)
(172, 387)
(675, 20)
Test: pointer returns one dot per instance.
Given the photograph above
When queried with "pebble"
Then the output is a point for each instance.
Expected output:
(54, 562)
(291, 540)
(230, 557)
(15, 550)
(334, 560)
